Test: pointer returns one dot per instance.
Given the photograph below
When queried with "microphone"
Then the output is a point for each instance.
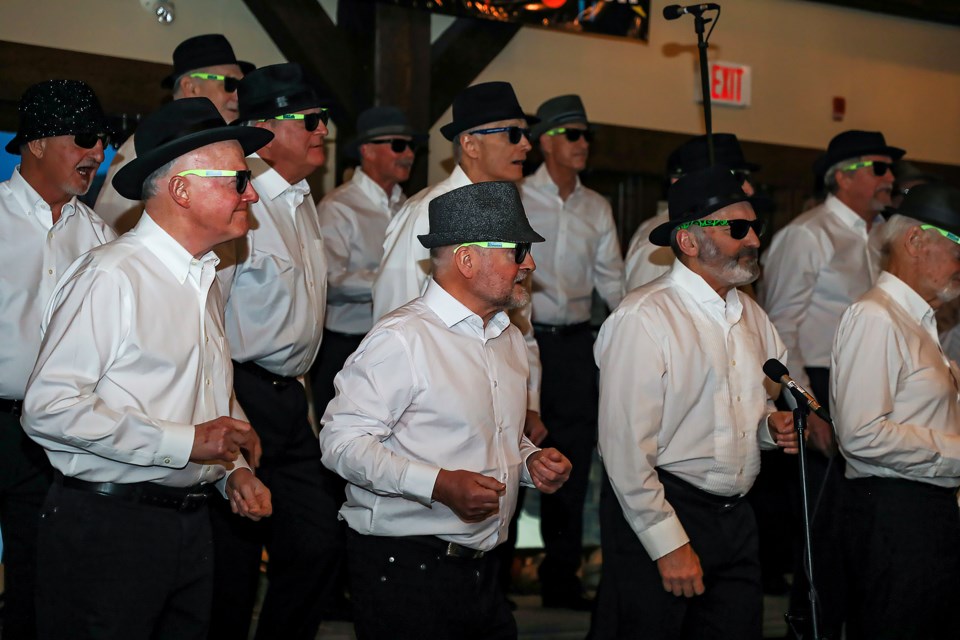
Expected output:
(674, 11)
(775, 370)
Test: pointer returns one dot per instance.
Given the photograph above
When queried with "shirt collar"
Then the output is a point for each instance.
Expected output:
(904, 295)
(846, 214)
(269, 183)
(729, 308)
(374, 191)
(170, 252)
(541, 180)
(30, 201)
(452, 312)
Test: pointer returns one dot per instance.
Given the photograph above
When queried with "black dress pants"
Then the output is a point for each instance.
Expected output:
(569, 403)
(301, 536)
(406, 588)
(631, 602)
(25, 475)
(109, 569)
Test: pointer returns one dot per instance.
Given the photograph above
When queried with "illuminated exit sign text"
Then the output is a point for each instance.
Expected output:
(729, 84)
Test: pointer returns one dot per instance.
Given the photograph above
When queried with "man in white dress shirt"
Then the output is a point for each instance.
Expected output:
(684, 412)
(815, 268)
(581, 254)
(646, 261)
(896, 406)
(427, 427)
(274, 322)
(132, 399)
(203, 67)
(45, 228)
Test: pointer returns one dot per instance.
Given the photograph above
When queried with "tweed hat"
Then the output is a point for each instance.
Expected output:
(175, 129)
(557, 111)
(853, 144)
(381, 121)
(275, 90)
(696, 195)
(198, 52)
(57, 108)
(933, 203)
(693, 155)
(482, 212)
(482, 103)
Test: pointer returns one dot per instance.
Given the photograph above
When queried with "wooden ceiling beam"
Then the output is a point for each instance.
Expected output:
(943, 11)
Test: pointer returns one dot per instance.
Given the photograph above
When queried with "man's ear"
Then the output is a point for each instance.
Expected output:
(913, 241)
(37, 147)
(177, 187)
(688, 243)
(469, 145)
(467, 262)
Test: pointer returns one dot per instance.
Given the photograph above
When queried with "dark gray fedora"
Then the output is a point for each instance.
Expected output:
(198, 52)
(275, 90)
(482, 212)
(381, 121)
(482, 103)
(175, 129)
(853, 144)
(557, 111)
(932, 203)
(695, 196)
(694, 155)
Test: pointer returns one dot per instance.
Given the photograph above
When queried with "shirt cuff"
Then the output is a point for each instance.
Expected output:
(764, 437)
(418, 482)
(664, 537)
(176, 443)
(533, 400)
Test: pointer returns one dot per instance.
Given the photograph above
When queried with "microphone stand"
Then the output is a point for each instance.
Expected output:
(800, 412)
(700, 24)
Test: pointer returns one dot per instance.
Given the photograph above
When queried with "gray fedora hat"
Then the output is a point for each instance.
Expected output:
(936, 204)
(482, 212)
(381, 121)
(557, 111)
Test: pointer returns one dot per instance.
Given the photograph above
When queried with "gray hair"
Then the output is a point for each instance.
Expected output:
(151, 185)
(830, 177)
(698, 232)
(891, 232)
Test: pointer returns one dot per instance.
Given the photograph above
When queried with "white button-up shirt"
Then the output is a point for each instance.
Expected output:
(581, 252)
(645, 261)
(275, 310)
(34, 253)
(353, 221)
(815, 268)
(133, 356)
(429, 388)
(894, 395)
(682, 388)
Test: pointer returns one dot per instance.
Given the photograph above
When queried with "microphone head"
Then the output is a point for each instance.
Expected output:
(672, 11)
(775, 370)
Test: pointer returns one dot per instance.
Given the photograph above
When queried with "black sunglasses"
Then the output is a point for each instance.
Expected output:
(397, 145)
(573, 135)
(310, 120)
(513, 133)
(230, 84)
(243, 177)
(739, 228)
(520, 253)
(740, 175)
(89, 140)
(880, 167)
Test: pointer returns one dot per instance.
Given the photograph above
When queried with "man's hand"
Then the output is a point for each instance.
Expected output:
(472, 496)
(248, 497)
(681, 572)
(220, 440)
(549, 469)
(534, 428)
(781, 428)
(820, 435)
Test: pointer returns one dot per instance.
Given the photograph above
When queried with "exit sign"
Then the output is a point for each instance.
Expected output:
(729, 84)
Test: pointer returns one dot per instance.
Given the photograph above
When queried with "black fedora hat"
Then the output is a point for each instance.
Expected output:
(57, 108)
(486, 211)
(381, 121)
(933, 203)
(557, 111)
(482, 103)
(696, 195)
(853, 144)
(208, 50)
(275, 90)
(693, 155)
(175, 129)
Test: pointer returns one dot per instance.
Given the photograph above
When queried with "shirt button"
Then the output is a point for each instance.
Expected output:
(50, 235)
(206, 339)
(50, 271)
(738, 398)
(495, 383)
(391, 559)
(166, 461)
(208, 382)
(740, 473)
(743, 434)
(733, 363)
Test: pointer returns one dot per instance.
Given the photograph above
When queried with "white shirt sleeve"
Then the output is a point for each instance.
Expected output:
(608, 271)
(343, 284)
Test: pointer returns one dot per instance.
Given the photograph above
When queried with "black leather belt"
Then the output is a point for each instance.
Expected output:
(561, 330)
(145, 493)
(267, 376)
(11, 406)
(449, 549)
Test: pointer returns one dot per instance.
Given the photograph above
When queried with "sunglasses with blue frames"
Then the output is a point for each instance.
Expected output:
(513, 133)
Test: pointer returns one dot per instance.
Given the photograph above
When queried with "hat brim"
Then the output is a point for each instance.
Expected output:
(128, 181)
(453, 129)
(352, 148)
(13, 147)
(449, 238)
(660, 235)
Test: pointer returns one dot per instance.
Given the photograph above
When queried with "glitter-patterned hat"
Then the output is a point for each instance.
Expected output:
(482, 212)
(57, 108)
